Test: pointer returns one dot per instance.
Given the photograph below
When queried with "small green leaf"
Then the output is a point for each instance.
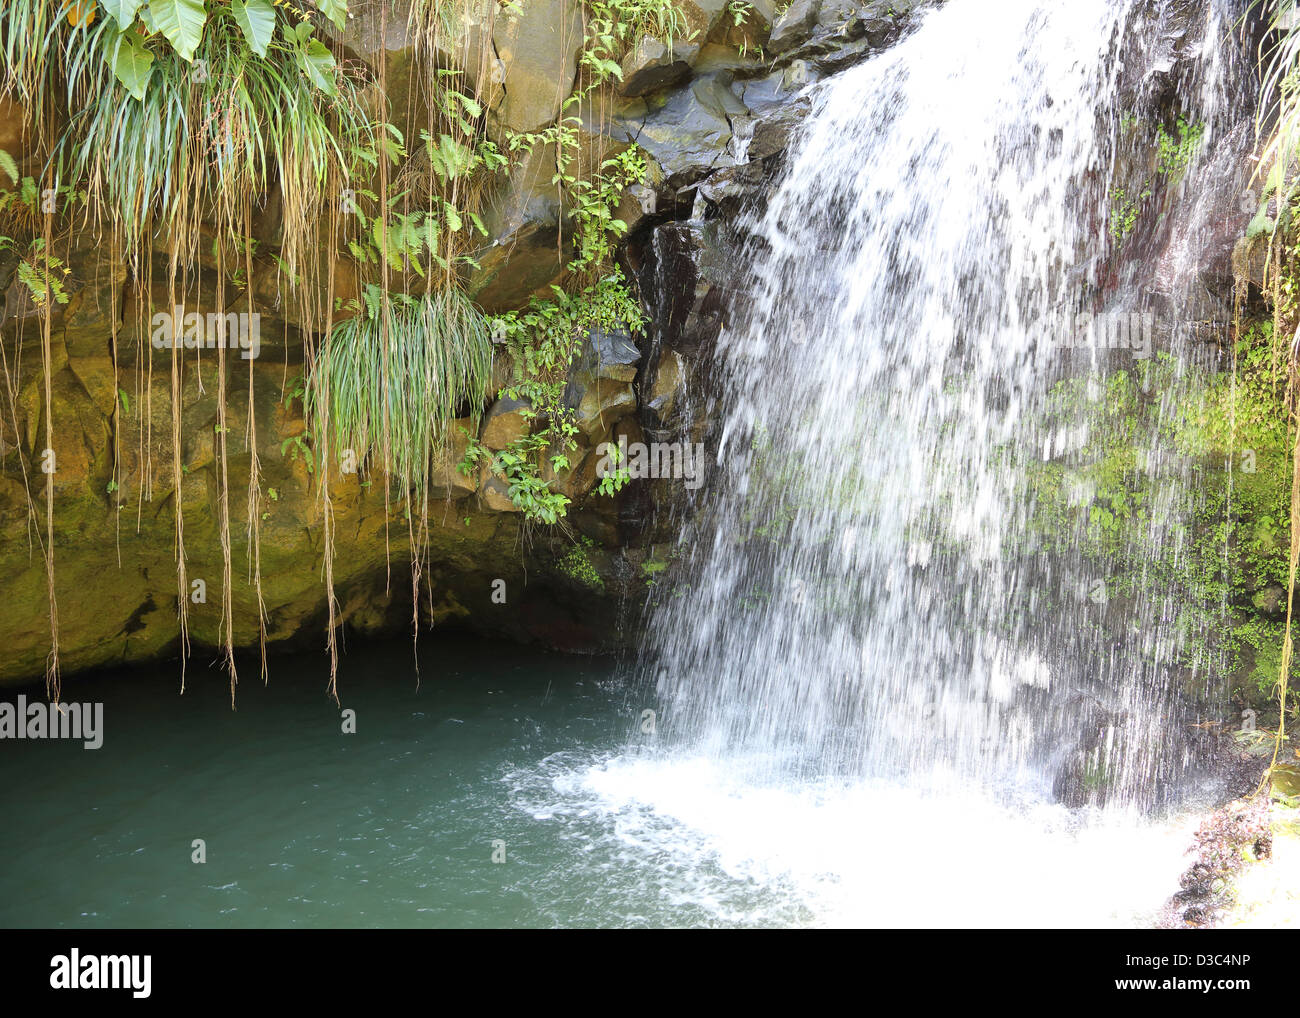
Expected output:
(8, 165)
(471, 107)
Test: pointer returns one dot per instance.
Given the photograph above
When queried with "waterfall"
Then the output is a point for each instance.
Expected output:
(963, 235)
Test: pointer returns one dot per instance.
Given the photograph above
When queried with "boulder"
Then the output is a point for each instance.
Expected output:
(506, 423)
(382, 31)
(445, 478)
(600, 381)
(687, 133)
(538, 48)
(794, 27)
(650, 66)
(528, 248)
(667, 384)
(772, 133)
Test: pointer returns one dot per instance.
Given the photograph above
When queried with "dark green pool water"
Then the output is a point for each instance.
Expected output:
(506, 750)
(397, 824)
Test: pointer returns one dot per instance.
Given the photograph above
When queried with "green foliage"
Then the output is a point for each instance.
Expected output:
(614, 26)
(1124, 209)
(299, 446)
(256, 19)
(1229, 563)
(396, 373)
(612, 484)
(593, 201)
(594, 205)
(21, 210)
(1278, 118)
(175, 96)
(405, 237)
(544, 339)
(577, 565)
(1174, 155)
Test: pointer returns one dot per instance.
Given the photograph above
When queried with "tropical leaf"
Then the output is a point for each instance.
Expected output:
(124, 11)
(315, 59)
(256, 19)
(336, 11)
(132, 64)
(181, 21)
(8, 165)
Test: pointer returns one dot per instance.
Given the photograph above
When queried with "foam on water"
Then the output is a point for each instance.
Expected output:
(715, 846)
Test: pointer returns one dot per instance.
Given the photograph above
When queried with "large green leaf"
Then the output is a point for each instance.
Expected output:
(256, 19)
(317, 62)
(335, 10)
(182, 22)
(123, 10)
(132, 64)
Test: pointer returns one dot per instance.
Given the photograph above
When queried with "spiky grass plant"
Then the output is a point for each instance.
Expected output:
(1279, 93)
(401, 388)
(204, 137)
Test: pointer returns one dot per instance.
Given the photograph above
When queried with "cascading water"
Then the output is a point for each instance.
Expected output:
(881, 604)
(869, 595)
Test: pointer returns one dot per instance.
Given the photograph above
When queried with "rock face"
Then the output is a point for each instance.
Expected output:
(538, 45)
(713, 112)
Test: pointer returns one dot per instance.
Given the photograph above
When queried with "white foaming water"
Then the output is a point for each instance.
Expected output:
(877, 674)
(702, 833)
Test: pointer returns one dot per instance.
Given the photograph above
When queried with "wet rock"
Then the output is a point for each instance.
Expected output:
(703, 17)
(1285, 779)
(689, 285)
(1224, 841)
(494, 494)
(687, 132)
(610, 355)
(578, 478)
(667, 384)
(602, 402)
(527, 251)
(1270, 602)
(1085, 777)
(772, 133)
(794, 27)
(651, 66)
(445, 478)
(727, 190)
(600, 381)
(837, 33)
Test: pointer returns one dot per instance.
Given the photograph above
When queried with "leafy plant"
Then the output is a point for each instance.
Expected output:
(1174, 155)
(389, 378)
